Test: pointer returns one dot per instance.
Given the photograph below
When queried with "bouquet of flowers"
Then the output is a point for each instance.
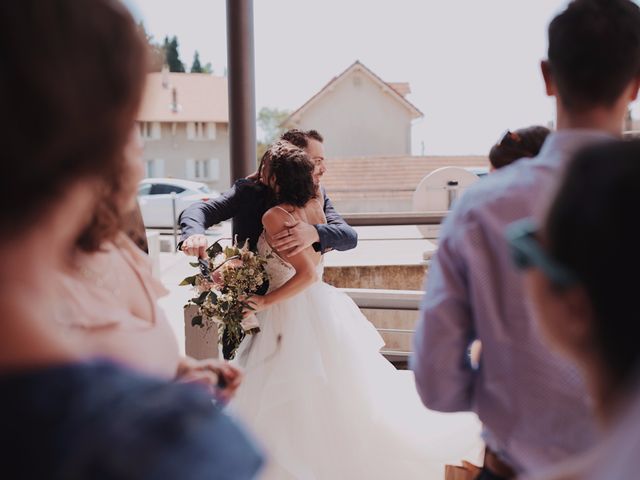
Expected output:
(224, 285)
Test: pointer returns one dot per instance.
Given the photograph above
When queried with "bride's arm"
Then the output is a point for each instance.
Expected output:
(302, 262)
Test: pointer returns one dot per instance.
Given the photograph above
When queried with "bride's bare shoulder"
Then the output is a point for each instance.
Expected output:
(274, 219)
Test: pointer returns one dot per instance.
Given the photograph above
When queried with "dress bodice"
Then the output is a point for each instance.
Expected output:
(278, 269)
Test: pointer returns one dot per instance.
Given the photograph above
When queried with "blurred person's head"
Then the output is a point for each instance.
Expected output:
(71, 79)
(593, 66)
(311, 142)
(521, 143)
(291, 174)
(582, 276)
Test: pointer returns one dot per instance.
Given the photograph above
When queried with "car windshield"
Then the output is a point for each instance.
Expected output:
(165, 189)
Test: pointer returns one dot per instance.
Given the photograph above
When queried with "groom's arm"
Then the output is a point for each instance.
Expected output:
(336, 234)
(199, 216)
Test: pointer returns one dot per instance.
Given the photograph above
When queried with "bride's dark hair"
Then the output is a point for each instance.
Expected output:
(292, 171)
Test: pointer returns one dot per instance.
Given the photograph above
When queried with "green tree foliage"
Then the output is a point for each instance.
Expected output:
(270, 122)
(207, 68)
(172, 56)
(196, 66)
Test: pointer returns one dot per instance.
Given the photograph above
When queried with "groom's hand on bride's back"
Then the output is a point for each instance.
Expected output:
(295, 238)
(195, 245)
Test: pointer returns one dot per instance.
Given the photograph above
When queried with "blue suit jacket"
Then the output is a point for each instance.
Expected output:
(246, 202)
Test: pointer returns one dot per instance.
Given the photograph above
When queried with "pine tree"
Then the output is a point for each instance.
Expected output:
(172, 55)
(196, 67)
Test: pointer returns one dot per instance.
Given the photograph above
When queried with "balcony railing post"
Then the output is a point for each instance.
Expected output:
(452, 189)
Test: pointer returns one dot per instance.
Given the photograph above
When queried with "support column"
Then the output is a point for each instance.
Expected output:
(241, 76)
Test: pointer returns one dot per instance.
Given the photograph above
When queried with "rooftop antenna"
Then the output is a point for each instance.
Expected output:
(175, 106)
(165, 76)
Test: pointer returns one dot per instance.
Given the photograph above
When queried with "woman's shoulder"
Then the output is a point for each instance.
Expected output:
(279, 215)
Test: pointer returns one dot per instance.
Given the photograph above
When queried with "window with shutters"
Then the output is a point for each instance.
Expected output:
(154, 168)
(203, 169)
(201, 130)
(150, 130)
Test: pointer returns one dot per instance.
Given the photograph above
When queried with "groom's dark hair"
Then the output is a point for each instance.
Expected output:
(300, 138)
(293, 173)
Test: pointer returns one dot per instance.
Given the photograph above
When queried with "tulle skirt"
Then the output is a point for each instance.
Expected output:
(326, 405)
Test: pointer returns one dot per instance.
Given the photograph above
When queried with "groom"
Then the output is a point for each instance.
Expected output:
(250, 198)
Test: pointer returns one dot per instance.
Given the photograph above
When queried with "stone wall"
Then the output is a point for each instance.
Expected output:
(390, 277)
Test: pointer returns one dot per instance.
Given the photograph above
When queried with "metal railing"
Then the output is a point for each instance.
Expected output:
(353, 219)
(379, 299)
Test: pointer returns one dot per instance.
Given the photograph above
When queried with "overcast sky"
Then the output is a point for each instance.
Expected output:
(473, 65)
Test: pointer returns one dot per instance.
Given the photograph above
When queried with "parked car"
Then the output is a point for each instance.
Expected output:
(479, 171)
(155, 199)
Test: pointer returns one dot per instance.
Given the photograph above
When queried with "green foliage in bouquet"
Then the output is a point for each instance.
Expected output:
(227, 279)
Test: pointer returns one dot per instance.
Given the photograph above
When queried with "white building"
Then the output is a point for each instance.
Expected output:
(359, 114)
(184, 121)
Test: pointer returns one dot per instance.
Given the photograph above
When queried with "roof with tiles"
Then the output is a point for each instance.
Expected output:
(386, 177)
(198, 97)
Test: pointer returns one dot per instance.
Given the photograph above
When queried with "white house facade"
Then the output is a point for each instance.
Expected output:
(359, 114)
(184, 122)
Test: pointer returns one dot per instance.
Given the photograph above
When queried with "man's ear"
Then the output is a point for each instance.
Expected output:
(635, 86)
(547, 75)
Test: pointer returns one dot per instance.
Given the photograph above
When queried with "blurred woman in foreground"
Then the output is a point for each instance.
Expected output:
(70, 85)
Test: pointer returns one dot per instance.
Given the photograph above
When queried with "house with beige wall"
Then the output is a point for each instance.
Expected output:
(184, 123)
(359, 114)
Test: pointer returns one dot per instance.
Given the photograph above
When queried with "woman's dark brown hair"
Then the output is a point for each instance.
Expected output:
(592, 229)
(293, 173)
(523, 143)
(108, 217)
(71, 79)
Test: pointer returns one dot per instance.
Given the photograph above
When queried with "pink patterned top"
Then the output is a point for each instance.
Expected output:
(110, 309)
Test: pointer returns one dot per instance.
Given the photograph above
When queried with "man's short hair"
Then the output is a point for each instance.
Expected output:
(594, 51)
(300, 138)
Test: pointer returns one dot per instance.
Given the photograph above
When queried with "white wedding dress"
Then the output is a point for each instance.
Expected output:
(326, 405)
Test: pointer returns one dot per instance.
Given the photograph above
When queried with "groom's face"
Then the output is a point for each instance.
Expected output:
(315, 150)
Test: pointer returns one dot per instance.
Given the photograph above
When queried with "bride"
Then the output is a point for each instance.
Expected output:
(317, 393)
